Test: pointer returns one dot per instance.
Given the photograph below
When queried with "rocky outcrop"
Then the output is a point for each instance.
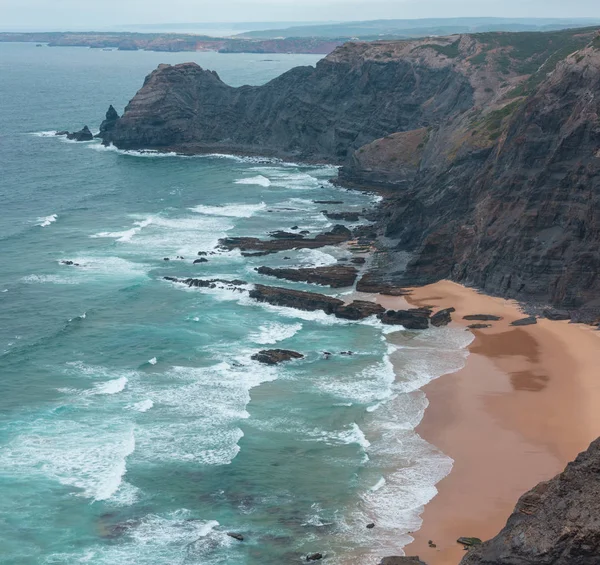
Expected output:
(109, 122)
(414, 319)
(337, 235)
(82, 135)
(343, 216)
(276, 356)
(308, 301)
(359, 310)
(556, 523)
(336, 276)
(442, 317)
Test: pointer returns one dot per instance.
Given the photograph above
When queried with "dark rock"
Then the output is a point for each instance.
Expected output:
(314, 557)
(82, 135)
(401, 561)
(276, 356)
(305, 232)
(482, 318)
(414, 319)
(335, 276)
(479, 326)
(201, 260)
(555, 523)
(328, 201)
(372, 282)
(358, 260)
(442, 318)
(529, 321)
(308, 301)
(294, 228)
(70, 263)
(348, 353)
(62, 133)
(469, 542)
(343, 216)
(234, 285)
(109, 122)
(233, 535)
(166, 259)
(338, 234)
(370, 526)
(556, 315)
(358, 310)
(202, 253)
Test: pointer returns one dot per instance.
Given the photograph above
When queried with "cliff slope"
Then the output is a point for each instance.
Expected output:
(556, 523)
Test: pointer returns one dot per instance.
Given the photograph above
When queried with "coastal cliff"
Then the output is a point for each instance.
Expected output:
(555, 523)
(486, 145)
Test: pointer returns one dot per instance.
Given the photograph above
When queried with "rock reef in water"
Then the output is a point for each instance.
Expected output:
(336, 276)
(82, 135)
(276, 356)
(556, 523)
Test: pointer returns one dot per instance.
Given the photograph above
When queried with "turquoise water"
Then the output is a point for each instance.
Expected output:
(134, 428)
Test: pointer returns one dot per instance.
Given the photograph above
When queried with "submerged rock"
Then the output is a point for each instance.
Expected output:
(343, 216)
(276, 356)
(201, 260)
(314, 557)
(233, 535)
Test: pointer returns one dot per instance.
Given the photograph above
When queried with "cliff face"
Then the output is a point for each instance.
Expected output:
(488, 147)
(352, 98)
(556, 523)
(522, 218)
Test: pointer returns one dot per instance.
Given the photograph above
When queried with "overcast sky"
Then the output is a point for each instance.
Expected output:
(63, 14)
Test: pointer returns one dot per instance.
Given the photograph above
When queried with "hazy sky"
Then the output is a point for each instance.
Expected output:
(105, 13)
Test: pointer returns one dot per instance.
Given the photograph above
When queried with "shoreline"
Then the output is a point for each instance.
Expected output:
(515, 415)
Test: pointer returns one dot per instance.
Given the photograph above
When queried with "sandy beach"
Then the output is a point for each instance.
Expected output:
(523, 407)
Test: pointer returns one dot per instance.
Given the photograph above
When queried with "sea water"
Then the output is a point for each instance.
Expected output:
(134, 427)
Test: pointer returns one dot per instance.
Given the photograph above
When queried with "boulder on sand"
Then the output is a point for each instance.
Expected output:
(414, 319)
(442, 318)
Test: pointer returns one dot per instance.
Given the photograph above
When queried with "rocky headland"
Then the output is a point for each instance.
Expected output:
(485, 146)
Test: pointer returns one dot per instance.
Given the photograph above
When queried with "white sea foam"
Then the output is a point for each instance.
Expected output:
(126, 235)
(273, 332)
(198, 411)
(316, 258)
(354, 435)
(230, 210)
(50, 279)
(143, 406)
(259, 180)
(49, 133)
(153, 361)
(89, 457)
(109, 267)
(147, 153)
(174, 537)
(380, 483)
(47, 220)
(111, 387)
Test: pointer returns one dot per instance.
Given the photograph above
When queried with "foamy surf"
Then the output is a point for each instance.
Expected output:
(230, 210)
(274, 332)
(259, 180)
(47, 220)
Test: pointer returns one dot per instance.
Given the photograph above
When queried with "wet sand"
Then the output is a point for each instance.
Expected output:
(525, 405)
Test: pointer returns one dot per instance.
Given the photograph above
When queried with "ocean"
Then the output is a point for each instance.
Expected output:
(134, 427)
